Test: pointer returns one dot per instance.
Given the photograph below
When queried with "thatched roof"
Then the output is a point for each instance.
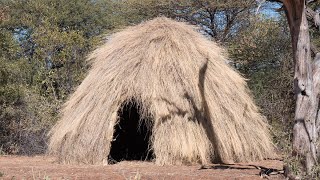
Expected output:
(200, 107)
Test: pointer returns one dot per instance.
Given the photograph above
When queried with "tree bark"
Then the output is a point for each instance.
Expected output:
(306, 82)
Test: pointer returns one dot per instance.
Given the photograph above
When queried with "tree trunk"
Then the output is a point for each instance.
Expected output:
(306, 77)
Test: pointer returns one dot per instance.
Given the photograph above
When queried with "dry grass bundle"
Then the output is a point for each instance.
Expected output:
(200, 107)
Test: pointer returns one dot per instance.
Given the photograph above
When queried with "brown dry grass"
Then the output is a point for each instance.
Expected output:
(200, 107)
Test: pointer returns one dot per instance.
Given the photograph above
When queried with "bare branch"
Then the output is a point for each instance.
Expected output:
(279, 1)
(313, 16)
(314, 49)
(310, 1)
(260, 2)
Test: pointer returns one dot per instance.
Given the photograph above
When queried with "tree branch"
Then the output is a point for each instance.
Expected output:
(279, 1)
(314, 49)
(313, 16)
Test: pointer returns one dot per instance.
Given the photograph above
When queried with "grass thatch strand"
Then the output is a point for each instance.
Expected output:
(200, 107)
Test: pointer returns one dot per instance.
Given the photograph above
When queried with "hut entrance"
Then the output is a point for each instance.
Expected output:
(131, 136)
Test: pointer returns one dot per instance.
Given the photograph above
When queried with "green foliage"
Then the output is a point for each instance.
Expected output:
(25, 116)
(43, 47)
(8, 47)
(262, 52)
(11, 98)
(91, 17)
(55, 36)
(262, 45)
(265, 58)
(137, 11)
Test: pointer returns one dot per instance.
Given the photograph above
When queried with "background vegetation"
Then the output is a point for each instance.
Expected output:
(44, 43)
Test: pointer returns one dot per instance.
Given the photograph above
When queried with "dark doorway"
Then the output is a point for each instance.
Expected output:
(131, 136)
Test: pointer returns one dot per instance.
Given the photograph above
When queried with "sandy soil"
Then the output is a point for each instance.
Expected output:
(42, 167)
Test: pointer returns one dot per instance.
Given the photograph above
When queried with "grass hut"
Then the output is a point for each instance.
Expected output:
(160, 91)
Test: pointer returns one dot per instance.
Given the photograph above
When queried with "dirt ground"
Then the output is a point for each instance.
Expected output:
(42, 167)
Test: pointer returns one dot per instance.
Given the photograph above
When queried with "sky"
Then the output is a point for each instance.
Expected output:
(269, 9)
